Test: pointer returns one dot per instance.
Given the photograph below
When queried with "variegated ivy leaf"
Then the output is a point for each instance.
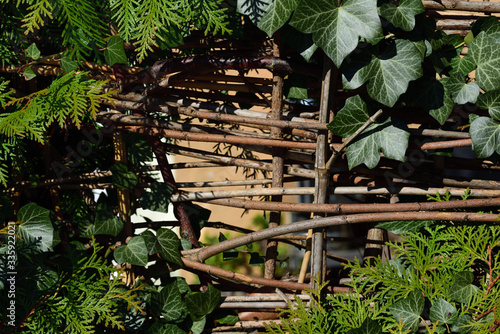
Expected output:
(368, 326)
(490, 101)
(169, 304)
(268, 15)
(350, 118)
(432, 96)
(389, 72)
(408, 310)
(485, 135)
(462, 290)
(168, 245)
(390, 137)
(485, 52)
(135, 252)
(402, 15)
(462, 65)
(461, 91)
(443, 312)
(337, 29)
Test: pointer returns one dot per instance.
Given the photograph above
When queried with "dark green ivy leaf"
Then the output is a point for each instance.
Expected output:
(350, 118)
(36, 227)
(462, 65)
(115, 52)
(401, 227)
(462, 290)
(389, 137)
(409, 309)
(169, 304)
(122, 177)
(256, 259)
(201, 304)
(389, 72)
(485, 135)
(402, 15)
(442, 311)
(463, 325)
(68, 65)
(485, 52)
(490, 101)
(168, 245)
(368, 326)
(302, 43)
(461, 91)
(229, 254)
(158, 198)
(106, 222)
(268, 15)
(135, 252)
(150, 242)
(159, 328)
(337, 29)
(432, 96)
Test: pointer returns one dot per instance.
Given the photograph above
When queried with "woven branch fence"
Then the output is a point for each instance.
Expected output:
(296, 146)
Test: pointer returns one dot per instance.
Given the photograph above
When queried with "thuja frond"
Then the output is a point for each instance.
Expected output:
(36, 16)
(125, 16)
(72, 97)
(207, 14)
(154, 19)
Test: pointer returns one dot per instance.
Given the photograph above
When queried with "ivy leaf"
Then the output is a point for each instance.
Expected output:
(392, 67)
(169, 304)
(337, 29)
(390, 137)
(150, 242)
(402, 15)
(462, 65)
(228, 319)
(485, 52)
(36, 227)
(350, 118)
(488, 24)
(33, 52)
(159, 328)
(28, 73)
(485, 135)
(461, 91)
(106, 222)
(68, 65)
(462, 290)
(168, 245)
(115, 52)
(158, 198)
(302, 43)
(229, 254)
(408, 310)
(201, 304)
(442, 311)
(368, 326)
(268, 15)
(256, 260)
(122, 177)
(199, 325)
(135, 252)
(401, 227)
(432, 96)
(462, 325)
(490, 101)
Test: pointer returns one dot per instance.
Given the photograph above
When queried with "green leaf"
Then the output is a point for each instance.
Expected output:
(390, 137)
(159, 328)
(432, 96)
(36, 227)
(228, 319)
(115, 52)
(350, 118)
(462, 65)
(33, 52)
(201, 304)
(462, 290)
(402, 15)
(485, 52)
(463, 325)
(490, 101)
(106, 222)
(409, 309)
(401, 227)
(135, 252)
(28, 73)
(485, 135)
(368, 326)
(256, 259)
(230, 254)
(150, 242)
(268, 15)
(122, 178)
(168, 303)
(168, 245)
(68, 65)
(158, 198)
(199, 325)
(337, 29)
(488, 24)
(302, 43)
(393, 65)
(442, 311)
(461, 91)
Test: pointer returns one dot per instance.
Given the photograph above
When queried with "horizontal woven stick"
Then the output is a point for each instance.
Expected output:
(469, 6)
